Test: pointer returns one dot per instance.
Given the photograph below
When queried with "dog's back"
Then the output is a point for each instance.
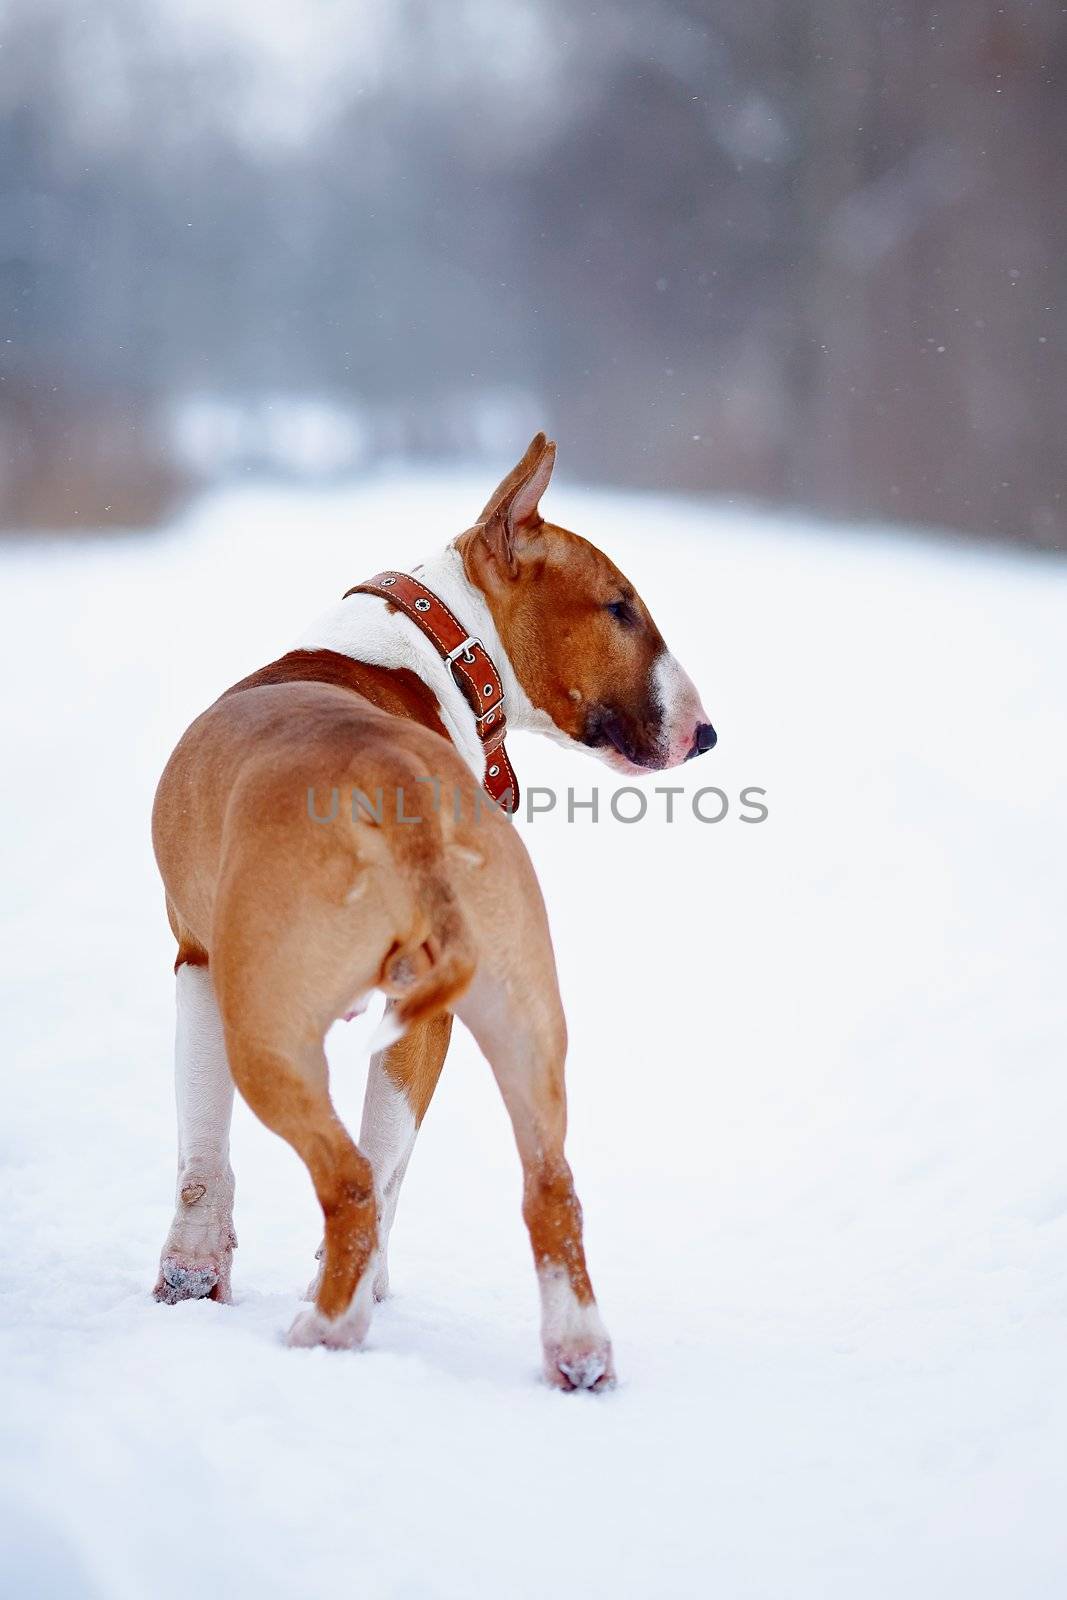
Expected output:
(360, 894)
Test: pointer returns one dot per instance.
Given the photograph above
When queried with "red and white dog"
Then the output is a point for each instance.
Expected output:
(289, 913)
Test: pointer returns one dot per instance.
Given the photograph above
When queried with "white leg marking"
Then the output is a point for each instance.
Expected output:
(196, 1256)
(386, 1033)
(576, 1344)
(345, 1332)
(387, 1138)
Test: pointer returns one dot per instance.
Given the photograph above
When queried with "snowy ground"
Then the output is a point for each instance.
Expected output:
(817, 1088)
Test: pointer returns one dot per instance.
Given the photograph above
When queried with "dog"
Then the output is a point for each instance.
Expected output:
(289, 908)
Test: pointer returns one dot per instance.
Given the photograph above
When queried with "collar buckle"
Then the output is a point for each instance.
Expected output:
(464, 650)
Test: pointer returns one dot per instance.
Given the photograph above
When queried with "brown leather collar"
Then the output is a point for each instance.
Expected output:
(471, 665)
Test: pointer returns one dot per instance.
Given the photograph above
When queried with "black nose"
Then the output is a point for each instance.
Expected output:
(704, 739)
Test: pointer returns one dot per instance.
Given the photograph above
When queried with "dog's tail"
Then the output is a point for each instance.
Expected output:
(427, 971)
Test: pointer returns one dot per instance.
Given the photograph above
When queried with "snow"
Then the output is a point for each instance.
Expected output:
(816, 1084)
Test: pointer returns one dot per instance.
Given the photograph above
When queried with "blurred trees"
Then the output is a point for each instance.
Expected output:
(811, 250)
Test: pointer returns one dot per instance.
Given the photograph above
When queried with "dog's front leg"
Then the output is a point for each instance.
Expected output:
(400, 1084)
(196, 1256)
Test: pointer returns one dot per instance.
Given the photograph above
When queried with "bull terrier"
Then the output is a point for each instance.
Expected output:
(398, 699)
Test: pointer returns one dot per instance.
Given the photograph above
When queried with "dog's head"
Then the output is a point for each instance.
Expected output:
(580, 638)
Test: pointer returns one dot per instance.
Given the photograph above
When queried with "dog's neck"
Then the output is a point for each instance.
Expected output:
(364, 627)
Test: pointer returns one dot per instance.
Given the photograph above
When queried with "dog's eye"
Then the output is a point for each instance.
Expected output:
(623, 612)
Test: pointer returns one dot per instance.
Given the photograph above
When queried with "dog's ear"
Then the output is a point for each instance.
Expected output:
(513, 507)
(507, 486)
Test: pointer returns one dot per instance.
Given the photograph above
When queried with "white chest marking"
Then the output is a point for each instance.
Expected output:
(363, 628)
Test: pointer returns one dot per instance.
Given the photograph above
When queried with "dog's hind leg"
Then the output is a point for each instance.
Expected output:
(513, 1009)
(284, 1079)
(196, 1256)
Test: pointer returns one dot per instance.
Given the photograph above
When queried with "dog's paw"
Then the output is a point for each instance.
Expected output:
(311, 1328)
(575, 1342)
(381, 1280)
(197, 1255)
(186, 1277)
(347, 1332)
(580, 1365)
